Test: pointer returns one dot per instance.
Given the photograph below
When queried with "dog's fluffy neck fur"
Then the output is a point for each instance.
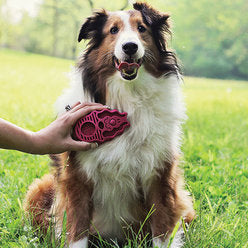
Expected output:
(155, 111)
(116, 184)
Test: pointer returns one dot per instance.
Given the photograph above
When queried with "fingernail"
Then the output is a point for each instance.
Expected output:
(106, 106)
(94, 145)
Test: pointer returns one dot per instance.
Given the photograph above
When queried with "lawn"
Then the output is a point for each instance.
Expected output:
(215, 148)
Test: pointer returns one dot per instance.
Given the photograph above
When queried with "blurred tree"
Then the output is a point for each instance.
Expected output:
(54, 30)
(58, 23)
(8, 30)
(210, 37)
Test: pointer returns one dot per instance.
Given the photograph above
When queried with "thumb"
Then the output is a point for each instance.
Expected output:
(81, 145)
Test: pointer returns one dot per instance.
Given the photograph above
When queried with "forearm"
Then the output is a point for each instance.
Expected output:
(16, 138)
(55, 138)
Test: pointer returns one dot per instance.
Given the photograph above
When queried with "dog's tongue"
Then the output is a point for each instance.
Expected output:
(127, 66)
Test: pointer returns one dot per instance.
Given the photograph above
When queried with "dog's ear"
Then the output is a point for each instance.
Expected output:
(92, 27)
(157, 21)
(151, 16)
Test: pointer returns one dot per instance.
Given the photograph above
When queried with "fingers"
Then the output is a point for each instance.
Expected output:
(82, 105)
(74, 105)
(85, 110)
(81, 146)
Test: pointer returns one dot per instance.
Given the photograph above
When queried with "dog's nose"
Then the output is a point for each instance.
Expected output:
(130, 48)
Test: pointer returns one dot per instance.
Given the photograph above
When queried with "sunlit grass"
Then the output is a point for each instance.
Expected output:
(215, 147)
(216, 161)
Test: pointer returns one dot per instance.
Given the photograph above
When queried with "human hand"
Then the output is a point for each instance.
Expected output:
(56, 138)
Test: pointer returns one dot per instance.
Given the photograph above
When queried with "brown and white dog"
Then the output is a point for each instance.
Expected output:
(116, 185)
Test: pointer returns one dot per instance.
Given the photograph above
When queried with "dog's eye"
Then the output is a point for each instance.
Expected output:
(141, 28)
(114, 30)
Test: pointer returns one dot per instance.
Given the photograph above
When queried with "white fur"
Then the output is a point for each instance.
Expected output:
(82, 243)
(176, 243)
(155, 111)
(127, 35)
(178, 239)
(73, 94)
(158, 243)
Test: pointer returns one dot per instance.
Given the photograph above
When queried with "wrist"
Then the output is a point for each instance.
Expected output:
(36, 142)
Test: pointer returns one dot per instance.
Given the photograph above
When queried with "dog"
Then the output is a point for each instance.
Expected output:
(115, 185)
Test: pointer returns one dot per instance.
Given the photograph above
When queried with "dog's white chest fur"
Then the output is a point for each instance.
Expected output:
(155, 111)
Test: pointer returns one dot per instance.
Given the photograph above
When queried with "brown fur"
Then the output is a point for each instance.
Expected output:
(71, 186)
(97, 62)
(151, 65)
(39, 200)
(74, 192)
(170, 201)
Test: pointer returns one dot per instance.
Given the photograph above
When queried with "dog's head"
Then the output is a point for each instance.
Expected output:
(123, 41)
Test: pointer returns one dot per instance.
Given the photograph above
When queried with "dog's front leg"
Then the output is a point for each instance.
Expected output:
(168, 209)
(79, 213)
(78, 204)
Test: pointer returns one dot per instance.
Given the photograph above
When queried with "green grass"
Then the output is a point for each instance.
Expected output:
(215, 147)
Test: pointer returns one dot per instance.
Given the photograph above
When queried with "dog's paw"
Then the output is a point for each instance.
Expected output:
(158, 243)
(82, 243)
(177, 241)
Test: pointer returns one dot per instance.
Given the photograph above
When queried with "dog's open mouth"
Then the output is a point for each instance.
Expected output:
(128, 68)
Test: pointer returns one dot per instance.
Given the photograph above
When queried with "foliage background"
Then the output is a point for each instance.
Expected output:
(215, 145)
(210, 36)
(211, 39)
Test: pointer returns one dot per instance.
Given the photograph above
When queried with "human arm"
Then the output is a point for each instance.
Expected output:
(55, 138)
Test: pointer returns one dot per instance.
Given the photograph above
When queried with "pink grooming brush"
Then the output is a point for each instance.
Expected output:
(100, 126)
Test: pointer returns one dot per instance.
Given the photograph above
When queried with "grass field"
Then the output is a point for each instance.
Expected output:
(215, 147)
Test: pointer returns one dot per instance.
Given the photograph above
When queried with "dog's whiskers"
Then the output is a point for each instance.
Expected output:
(149, 56)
